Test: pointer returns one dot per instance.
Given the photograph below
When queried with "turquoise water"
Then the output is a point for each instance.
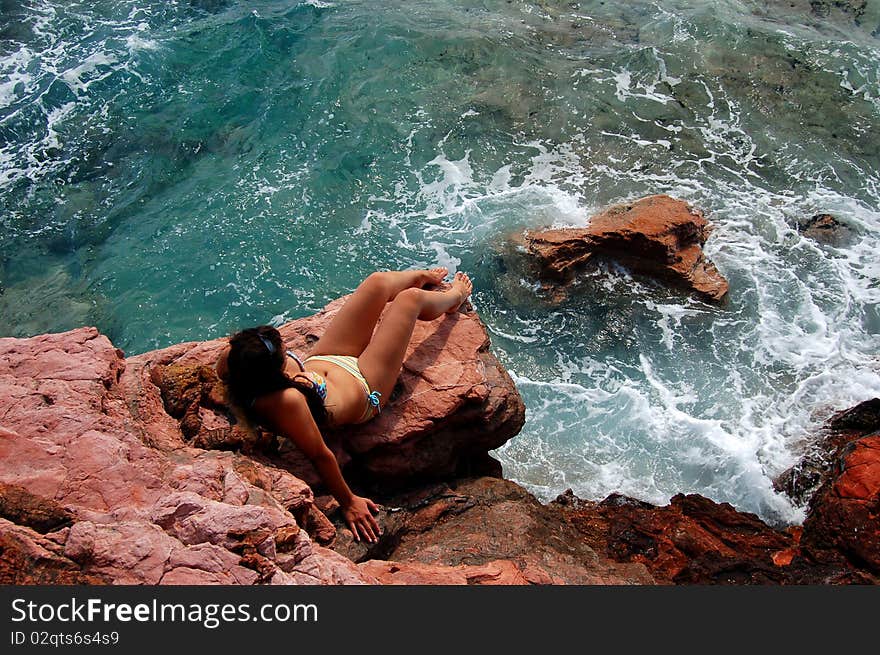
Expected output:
(175, 171)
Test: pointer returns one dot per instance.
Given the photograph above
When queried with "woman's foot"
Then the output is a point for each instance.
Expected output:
(434, 276)
(463, 285)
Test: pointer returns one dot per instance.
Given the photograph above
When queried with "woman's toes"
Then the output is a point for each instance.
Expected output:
(461, 283)
(436, 275)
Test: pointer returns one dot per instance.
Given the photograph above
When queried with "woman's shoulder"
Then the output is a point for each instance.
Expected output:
(283, 399)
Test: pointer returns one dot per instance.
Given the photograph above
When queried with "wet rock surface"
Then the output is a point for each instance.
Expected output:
(842, 528)
(828, 230)
(657, 236)
(694, 540)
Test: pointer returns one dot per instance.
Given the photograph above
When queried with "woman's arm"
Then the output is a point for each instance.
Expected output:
(296, 422)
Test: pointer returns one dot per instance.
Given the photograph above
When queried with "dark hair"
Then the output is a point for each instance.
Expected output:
(256, 367)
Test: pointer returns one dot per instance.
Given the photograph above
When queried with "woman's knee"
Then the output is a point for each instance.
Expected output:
(378, 283)
(412, 299)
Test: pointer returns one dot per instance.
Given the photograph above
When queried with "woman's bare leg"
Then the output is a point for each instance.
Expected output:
(352, 328)
(382, 359)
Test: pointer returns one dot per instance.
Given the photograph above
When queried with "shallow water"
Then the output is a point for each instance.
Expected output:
(174, 171)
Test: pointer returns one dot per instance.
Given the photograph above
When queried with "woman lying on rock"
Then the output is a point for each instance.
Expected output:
(347, 373)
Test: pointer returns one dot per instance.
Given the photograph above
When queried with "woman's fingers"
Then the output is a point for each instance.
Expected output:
(362, 528)
(368, 531)
(362, 523)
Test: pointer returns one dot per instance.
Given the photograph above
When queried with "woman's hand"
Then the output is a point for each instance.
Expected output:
(295, 422)
(358, 515)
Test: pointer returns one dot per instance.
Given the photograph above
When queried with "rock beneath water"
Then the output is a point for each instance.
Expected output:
(657, 236)
(825, 228)
(482, 531)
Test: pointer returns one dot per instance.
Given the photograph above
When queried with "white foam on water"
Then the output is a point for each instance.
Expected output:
(785, 352)
(448, 193)
(671, 317)
(444, 258)
(135, 43)
(18, 82)
(81, 77)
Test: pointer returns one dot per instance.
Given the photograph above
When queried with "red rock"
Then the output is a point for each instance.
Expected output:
(144, 507)
(20, 506)
(453, 401)
(87, 436)
(784, 557)
(693, 540)
(483, 531)
(860, 479)
(658, 236)
(90, 457)
(498, 572)
(843, 523)
(27, 557)
(395, 573)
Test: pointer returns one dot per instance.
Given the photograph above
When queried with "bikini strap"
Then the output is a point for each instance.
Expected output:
(294, 356)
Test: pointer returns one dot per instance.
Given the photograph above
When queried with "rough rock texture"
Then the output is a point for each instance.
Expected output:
(845, 522)
(821, 458)
(20, 506)
(863, 418)
(101, 482)
(825, 228)
(28, 557)
(453, 401)
(658, 236)
(841, 475)
(126, 500)
(498, 572)
(696, 541)
(483, 531)
(842, 528)
(109, 456)
(692, 540)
